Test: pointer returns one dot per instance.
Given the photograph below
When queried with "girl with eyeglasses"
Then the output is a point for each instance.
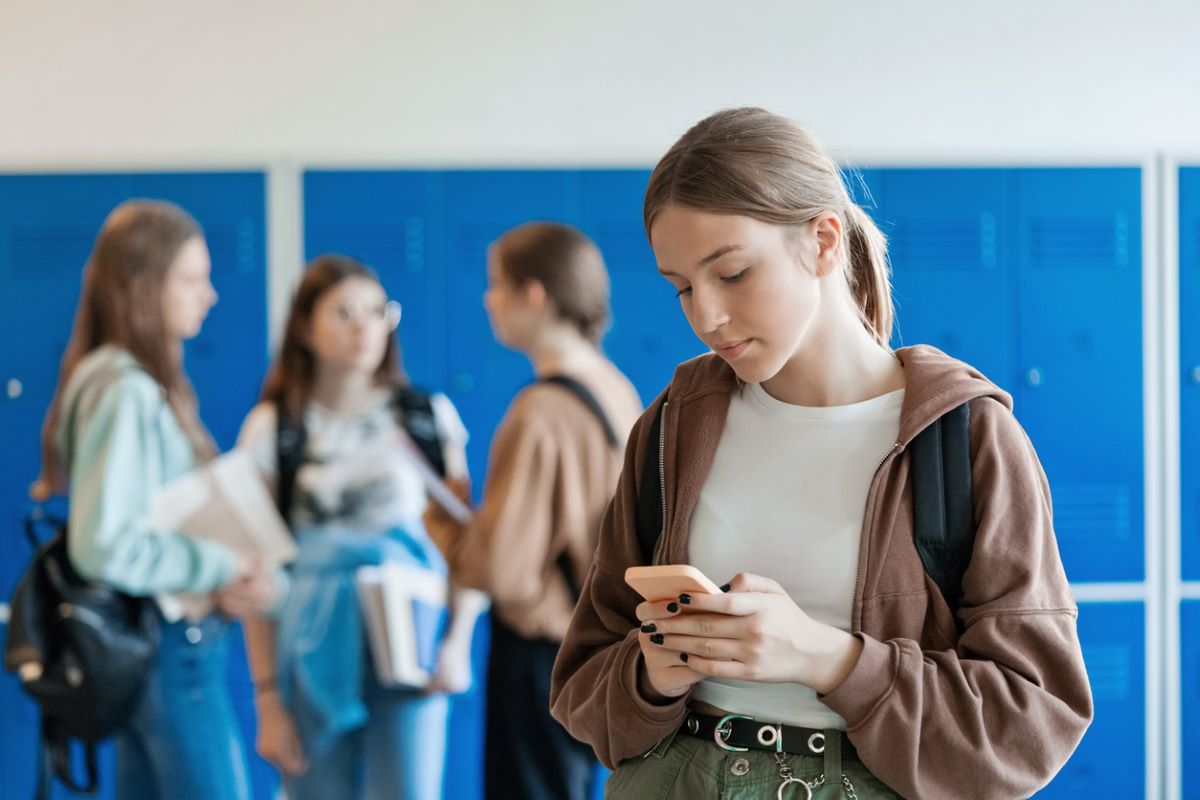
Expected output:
(339, 399)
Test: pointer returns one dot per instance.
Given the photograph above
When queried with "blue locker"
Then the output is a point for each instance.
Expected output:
(481, 205)
(1079, 358)
(1189, 675)
(650, 334)
(950, 263)
(392, 221)
(1110, 761)
(48, 224)
(1189, 360)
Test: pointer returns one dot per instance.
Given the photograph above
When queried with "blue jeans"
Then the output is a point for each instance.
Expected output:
(183, 742)
(400, 754)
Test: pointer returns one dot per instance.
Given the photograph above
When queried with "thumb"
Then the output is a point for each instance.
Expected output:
(749, 582)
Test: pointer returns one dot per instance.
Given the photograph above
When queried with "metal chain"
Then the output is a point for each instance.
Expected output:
(785, 772)
(849, 788)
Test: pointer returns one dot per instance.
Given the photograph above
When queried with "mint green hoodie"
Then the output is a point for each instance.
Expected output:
(121, 442)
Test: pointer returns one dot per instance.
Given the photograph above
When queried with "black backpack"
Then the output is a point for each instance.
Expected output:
(414, 411)
(83, 652)
(943, 514)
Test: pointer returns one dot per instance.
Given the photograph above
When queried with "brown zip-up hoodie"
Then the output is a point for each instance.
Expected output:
(993, 712)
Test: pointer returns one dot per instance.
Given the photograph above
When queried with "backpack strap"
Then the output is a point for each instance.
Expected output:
(943, 512)
(414, 411)
(586, 397)
(650, 499)
(291, 438)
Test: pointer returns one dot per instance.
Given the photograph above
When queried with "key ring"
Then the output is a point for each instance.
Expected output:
(808, 792)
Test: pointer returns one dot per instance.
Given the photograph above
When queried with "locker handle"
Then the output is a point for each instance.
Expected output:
(1034, 377)
(1195, 374)
(15, 388)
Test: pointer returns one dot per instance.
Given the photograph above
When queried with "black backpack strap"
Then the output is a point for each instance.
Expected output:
(943, 512)
(650, 509)
(414, 409)
(586, 397)
(290, 440)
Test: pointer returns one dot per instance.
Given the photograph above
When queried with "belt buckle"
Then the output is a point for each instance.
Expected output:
(724, 728)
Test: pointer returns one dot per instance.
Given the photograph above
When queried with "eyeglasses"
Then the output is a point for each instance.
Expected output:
(387, 314)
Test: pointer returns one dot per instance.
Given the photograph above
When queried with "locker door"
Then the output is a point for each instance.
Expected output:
(650, 335)
(479, 206)
(227, 360)
(1110, 761)
(392, 221)
(1189, 674)
(1079, 392)
(1189, 357)
(950, 263)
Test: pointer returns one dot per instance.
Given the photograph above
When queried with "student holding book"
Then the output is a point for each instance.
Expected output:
(123, 423)
(342, 439)
(553, 465)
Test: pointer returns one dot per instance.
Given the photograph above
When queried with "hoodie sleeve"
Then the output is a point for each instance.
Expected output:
(998, 716)
(116, 467)
(594, 689)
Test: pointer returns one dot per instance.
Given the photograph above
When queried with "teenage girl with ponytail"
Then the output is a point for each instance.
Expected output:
(830, 665)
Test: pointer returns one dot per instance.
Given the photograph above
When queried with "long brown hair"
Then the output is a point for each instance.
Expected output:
(750, 162)
(121, 304)
(289, 382)
(568, 264)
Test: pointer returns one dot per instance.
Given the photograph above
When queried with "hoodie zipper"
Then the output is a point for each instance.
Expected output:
(660, 545)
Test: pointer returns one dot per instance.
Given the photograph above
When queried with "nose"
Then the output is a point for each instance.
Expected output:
(708, 314)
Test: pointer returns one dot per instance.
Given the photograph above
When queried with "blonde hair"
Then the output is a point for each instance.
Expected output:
(752, 163)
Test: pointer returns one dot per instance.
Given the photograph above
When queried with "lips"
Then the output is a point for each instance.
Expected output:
(731, 350)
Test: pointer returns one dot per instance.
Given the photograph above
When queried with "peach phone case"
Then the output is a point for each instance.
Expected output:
(669, 581)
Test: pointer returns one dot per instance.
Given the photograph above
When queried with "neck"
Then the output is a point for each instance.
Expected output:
(838, 363)
(561, 348)
(339, 390)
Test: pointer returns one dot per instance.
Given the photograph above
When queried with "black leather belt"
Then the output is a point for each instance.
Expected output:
(733, 732)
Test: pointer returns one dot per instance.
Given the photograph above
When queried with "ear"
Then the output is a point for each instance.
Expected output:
(828, 229)
(533, 295)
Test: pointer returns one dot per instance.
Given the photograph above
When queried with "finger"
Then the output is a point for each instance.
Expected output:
(654, 611)
(736, 604)
(721, 626)
(702, 646)
(749, 582)
(717, 668)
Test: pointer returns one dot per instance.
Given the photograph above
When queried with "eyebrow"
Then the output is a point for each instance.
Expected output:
(710, 258)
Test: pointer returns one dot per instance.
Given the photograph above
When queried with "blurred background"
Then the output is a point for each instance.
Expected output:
(1035, 164)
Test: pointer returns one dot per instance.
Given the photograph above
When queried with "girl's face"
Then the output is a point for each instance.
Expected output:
(750, 290)
(188, 293)
(350, 326)
(513, 311)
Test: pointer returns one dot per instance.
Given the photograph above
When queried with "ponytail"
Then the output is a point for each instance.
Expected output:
(868, 273)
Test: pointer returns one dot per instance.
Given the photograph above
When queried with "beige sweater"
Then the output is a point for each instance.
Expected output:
(992, 712)
(551, 473)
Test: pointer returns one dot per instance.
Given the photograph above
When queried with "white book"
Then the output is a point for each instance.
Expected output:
(387, 594)
(224, 500)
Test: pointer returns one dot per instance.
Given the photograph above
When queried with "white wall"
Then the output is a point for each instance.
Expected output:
(86, 82)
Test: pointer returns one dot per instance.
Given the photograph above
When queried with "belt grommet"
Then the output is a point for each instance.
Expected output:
(693, 724)
(816, 743)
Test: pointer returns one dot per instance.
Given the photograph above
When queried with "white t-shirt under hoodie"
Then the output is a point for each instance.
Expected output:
(785, 499)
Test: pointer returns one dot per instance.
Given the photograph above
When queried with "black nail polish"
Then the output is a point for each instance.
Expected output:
(683, 657)
(672, 608)
(726, 587)
(685, 598)
(649, 627)
(656, 638)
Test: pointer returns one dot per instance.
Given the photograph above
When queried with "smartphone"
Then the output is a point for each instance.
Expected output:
(669, 581)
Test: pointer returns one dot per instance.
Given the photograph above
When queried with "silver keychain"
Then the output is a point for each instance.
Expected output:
(785, 772)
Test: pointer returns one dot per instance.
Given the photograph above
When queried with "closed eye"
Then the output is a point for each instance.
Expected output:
(685, 290)
(737, 277)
